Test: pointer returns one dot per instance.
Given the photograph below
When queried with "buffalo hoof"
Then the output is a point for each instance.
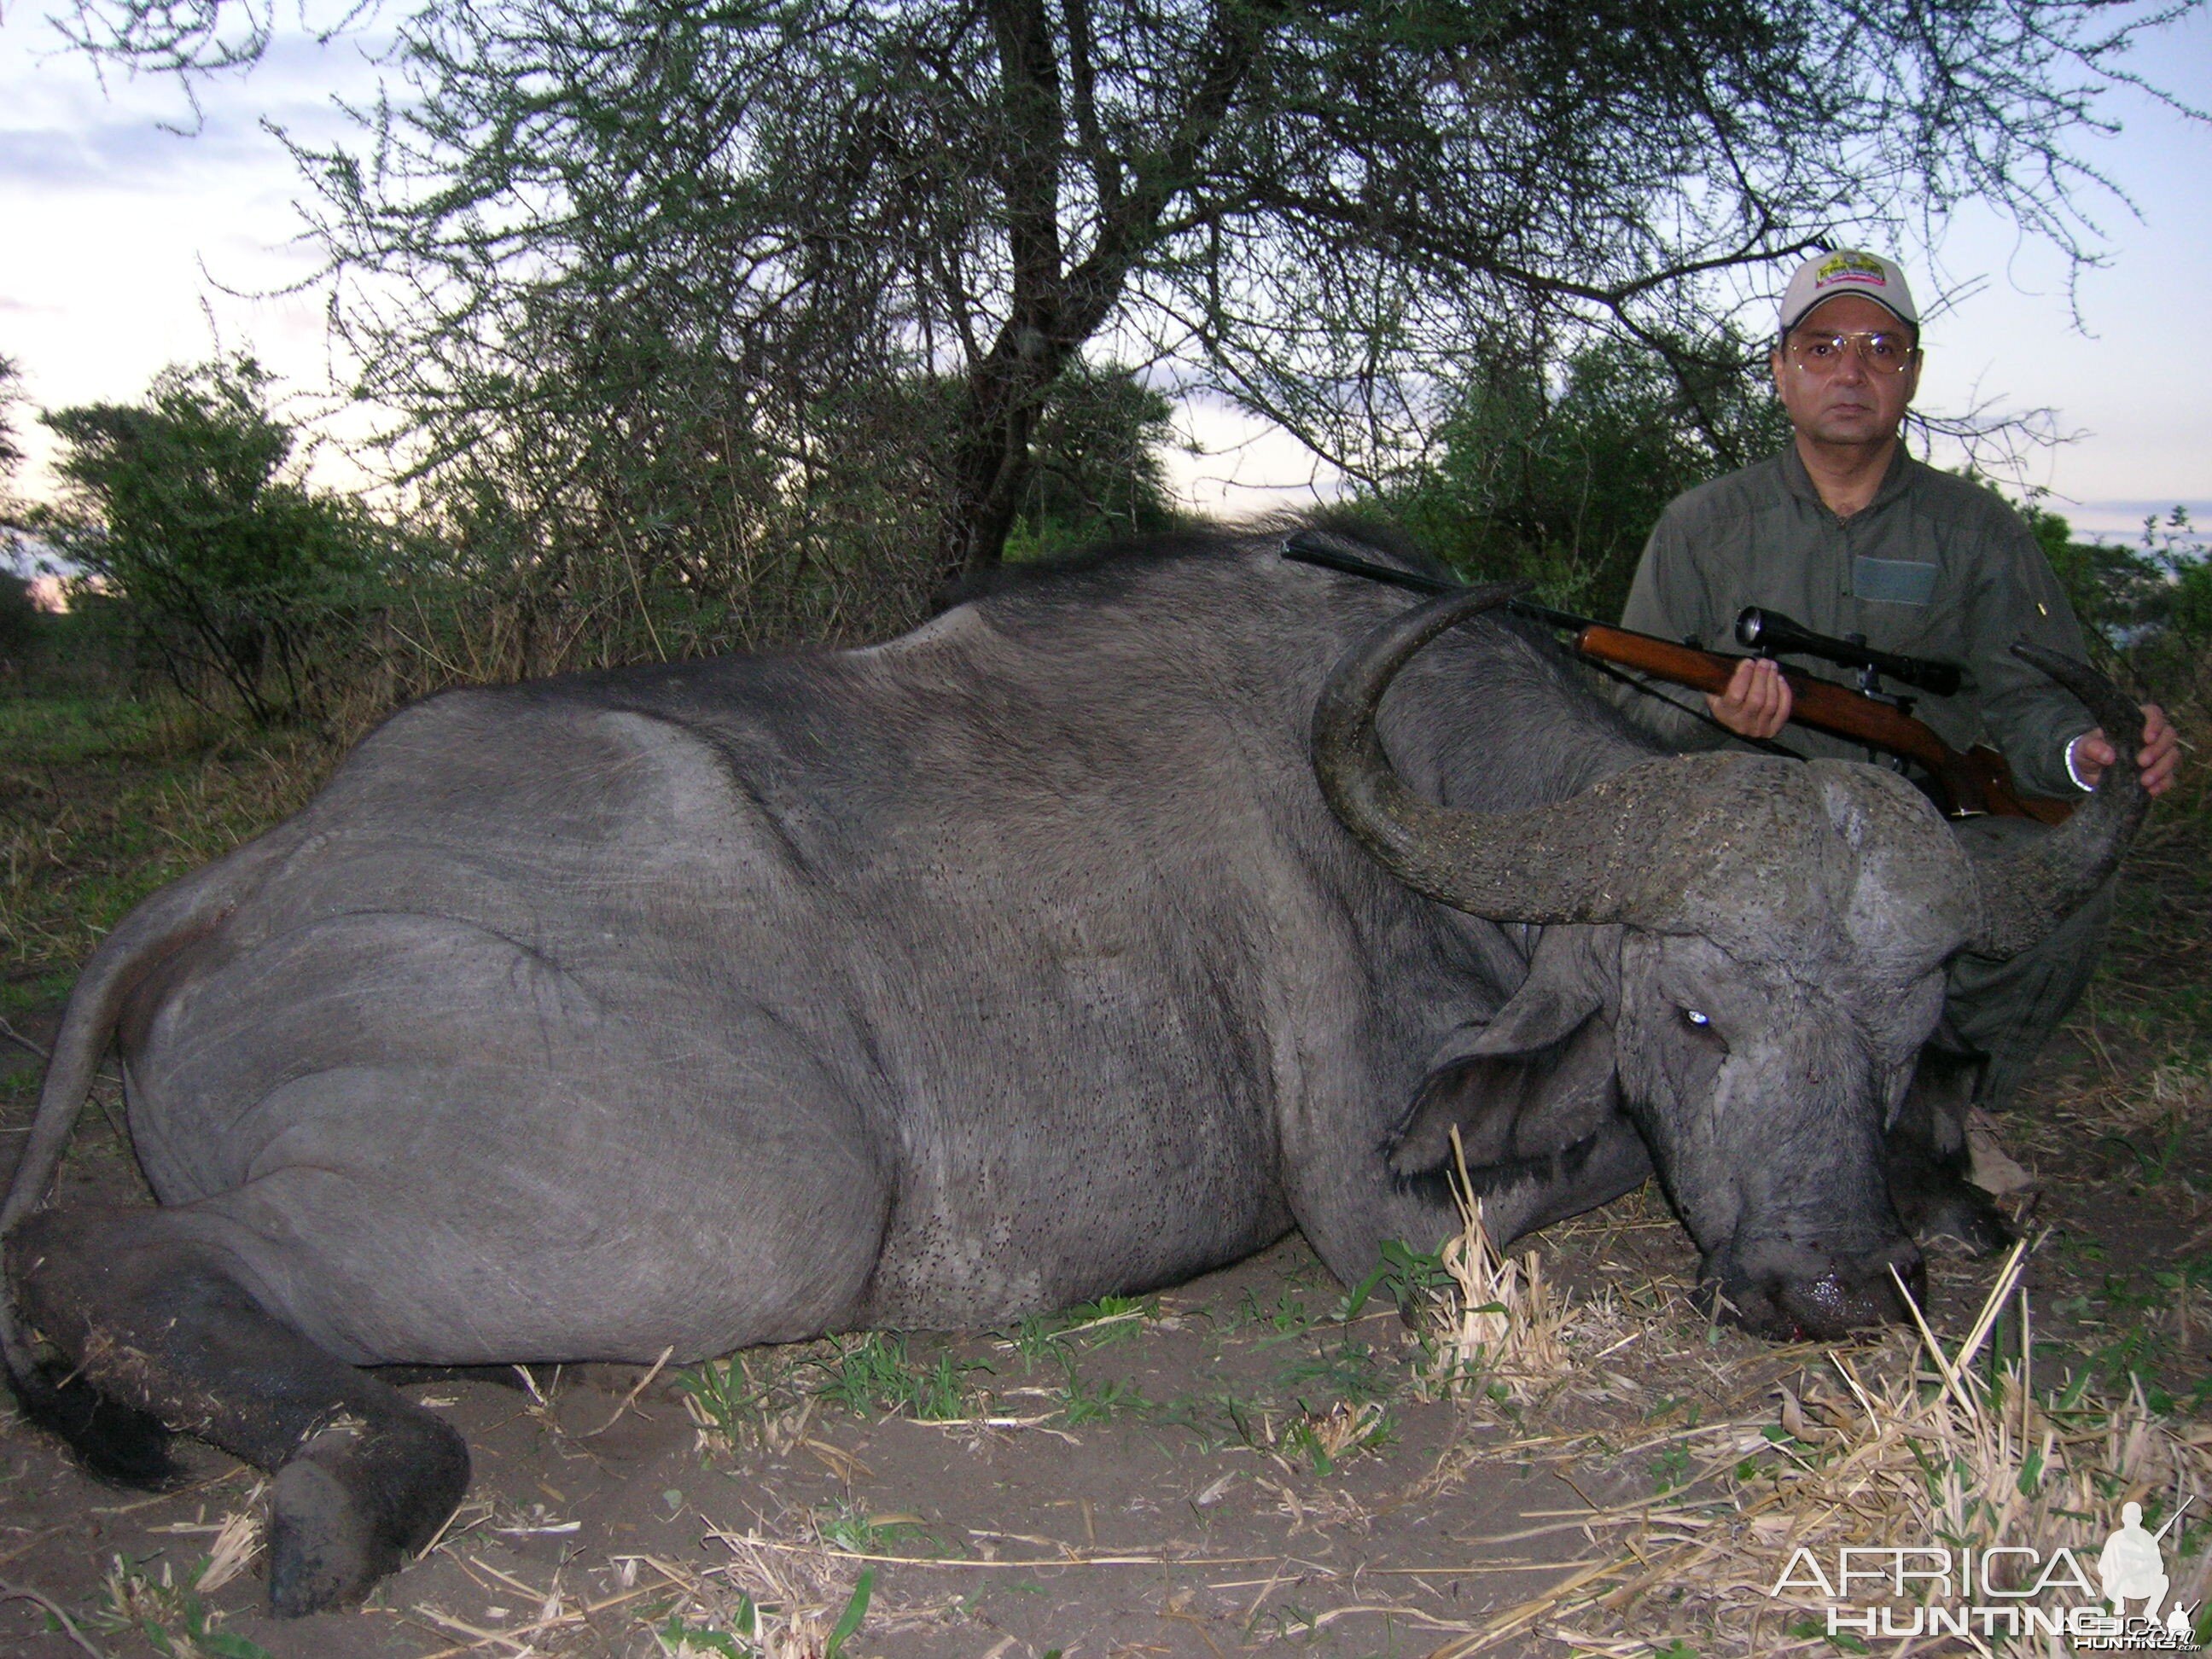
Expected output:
(344, 1512)
(323, 1551)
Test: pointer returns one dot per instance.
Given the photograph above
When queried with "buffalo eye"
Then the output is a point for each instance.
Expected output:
(1701, 1025)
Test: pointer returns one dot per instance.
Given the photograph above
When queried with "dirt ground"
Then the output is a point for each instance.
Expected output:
(1229, 1467)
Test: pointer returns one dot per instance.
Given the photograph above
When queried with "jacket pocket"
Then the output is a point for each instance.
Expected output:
(1895, 581)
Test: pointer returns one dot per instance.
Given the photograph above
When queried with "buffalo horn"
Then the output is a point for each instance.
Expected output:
(2025, 894)
(1546, 864)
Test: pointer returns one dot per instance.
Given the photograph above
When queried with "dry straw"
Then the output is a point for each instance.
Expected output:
(1957, 1449)
(1504, 1326)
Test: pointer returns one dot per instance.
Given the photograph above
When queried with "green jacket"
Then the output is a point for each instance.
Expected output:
(1933, 566)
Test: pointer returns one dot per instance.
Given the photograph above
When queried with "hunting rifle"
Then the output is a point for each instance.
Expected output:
(1962, 785)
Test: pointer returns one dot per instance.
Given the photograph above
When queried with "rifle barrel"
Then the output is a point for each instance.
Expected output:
(1308, 548)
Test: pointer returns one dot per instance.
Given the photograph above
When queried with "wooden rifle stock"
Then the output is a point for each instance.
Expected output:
(1976, 781)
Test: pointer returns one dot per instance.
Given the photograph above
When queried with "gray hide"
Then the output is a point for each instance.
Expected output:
(1015, 962)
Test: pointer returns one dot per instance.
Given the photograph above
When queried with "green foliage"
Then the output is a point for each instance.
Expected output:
(11, 450)
(1287, 1316)
(631, 246)
(1553, 470)
(1099, 472)
(848, 1622)
(853, 1530)
(21, 623)
(1350, 1370)
(1413, 1279)
(680, 1639)
(2145, 609)
(726, 1402)
(1109, 1320)
(1084, 1402)
(172, 1618)
(1671, 1467)
(179, 505)
(1324, 1440)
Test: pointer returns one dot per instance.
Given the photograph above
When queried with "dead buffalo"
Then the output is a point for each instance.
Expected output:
(1011, 963)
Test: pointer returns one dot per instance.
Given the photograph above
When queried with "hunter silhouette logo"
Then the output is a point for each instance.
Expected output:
(2132, 1568)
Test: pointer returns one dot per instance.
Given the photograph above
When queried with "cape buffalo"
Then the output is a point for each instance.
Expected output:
(1010, 963)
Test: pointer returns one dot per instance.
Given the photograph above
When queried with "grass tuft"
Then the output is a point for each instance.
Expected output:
(1502, 1329)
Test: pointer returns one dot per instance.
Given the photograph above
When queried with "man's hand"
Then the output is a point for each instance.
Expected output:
(2092, 752)
(1756, 701)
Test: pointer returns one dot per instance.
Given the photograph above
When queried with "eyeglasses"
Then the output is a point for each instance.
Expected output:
(1823, 354)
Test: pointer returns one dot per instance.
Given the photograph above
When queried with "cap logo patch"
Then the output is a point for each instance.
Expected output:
(1849, 268)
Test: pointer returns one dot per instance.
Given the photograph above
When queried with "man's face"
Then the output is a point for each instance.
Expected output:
(1850, 402)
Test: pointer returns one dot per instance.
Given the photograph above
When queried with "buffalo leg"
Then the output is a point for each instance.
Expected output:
(1925, 1155)
(163, 1322)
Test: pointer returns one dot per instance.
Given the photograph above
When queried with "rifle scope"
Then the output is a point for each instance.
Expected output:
(1772, 634)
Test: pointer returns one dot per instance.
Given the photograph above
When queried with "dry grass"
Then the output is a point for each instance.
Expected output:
(1894, 1445)
(238, 1542)
(1502, 1326)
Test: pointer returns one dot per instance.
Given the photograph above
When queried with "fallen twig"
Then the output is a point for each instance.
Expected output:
(24, 1593)
(630, 1399)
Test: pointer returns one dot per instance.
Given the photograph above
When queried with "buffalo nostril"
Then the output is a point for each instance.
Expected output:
(1834, 1304)
(1829, 1300)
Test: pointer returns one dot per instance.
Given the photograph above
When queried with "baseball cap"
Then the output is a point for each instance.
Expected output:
(1847, 271)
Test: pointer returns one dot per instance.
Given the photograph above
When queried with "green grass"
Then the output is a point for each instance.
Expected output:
(1350, 1370)
(171, 1618)
(1042, 1338)
(733, 1406)
(1288, 1316)
(1084, 1402)
(105, 801)
(847, 1527)
(874, 1376)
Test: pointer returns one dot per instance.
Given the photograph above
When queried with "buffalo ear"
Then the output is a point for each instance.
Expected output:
(1533, 1082)
(1543, 1014)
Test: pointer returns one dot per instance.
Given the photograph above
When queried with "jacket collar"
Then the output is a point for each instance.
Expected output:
(1893, 482)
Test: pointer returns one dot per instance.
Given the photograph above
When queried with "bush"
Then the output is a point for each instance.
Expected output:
(179, 507)
(2146, 611)
(19, 622)
(1554, 472)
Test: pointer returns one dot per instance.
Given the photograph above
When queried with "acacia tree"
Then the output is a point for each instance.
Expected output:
(759, 214)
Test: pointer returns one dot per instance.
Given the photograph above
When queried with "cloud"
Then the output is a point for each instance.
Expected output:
(52, 159)
(62, 128)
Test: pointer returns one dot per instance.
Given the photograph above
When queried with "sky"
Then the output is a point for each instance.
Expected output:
(126, 246)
